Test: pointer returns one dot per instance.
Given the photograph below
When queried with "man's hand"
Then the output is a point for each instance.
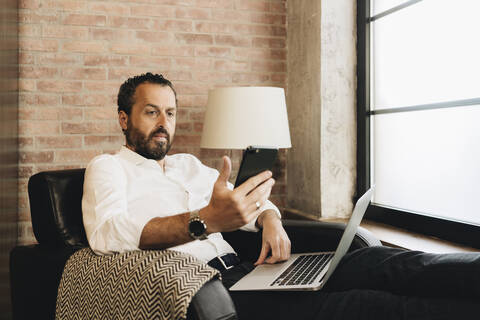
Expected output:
(274, 239)
(228, 209)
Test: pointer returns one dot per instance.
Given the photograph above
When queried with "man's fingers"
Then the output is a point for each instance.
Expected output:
(260, 194)
(263, 254)
(253, 182)
(276, 253)
(226, 170)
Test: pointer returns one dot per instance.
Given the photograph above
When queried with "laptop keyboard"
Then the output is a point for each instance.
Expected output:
(303, 270)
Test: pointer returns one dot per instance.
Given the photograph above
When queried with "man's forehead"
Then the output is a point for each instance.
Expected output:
(155, 94)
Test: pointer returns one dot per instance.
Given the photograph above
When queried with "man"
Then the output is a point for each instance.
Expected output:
(140, 198)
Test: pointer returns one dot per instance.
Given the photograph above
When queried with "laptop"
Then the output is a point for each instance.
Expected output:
(305, 271)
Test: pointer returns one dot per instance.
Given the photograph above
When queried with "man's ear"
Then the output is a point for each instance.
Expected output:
(123, 120)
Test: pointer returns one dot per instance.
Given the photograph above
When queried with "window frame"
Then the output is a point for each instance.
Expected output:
(459, 232)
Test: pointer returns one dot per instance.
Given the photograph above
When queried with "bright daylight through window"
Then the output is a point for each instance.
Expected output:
(425, 107)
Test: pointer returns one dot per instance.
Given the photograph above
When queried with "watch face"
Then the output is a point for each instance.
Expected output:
(197, 228)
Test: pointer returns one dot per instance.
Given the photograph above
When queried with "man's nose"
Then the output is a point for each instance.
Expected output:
(162, 119)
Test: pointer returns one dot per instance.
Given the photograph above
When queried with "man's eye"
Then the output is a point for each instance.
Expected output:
(152, 113)
(171, 114)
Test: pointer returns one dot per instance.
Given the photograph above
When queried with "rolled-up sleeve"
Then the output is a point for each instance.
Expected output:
(108, 225)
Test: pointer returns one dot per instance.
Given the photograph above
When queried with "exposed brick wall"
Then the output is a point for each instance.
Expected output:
(74, 55)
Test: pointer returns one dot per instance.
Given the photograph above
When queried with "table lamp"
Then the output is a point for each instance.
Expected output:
(238, 117)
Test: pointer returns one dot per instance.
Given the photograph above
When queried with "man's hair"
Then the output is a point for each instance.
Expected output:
(125, 99)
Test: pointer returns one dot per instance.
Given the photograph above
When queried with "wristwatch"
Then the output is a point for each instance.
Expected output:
(196, 226)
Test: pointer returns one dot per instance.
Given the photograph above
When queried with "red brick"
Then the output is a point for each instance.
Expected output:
(38, 44)
(230, 15)
(89, 99)
(268, 66)
(65, 32)
(266, 18)
(30, 17)
(106, 112)
(26, 99)
(35, 156)
(198, 126)
(229, 40)
(177, 75)
(183, 127)
(84, 73)
(152, 11)
(57, 59)
(65, 5)
(59, 86)
(279, 77)
(48, 99)
(173, 51)
(110, 8)
(193, 38)
(223, 4)
(96, 127)
(25, 171)
(25, 143)
(35, 127)
(193, 63)
(123, 73)
(37, 72)
(103, 86)
(248, 78)
(192, 88)
(56, 142)
(85, 19)
(26, 85)
(215, 27)
(129, 22)
(192, 13)
(105, 60)
(84, 46)
(104, 141)
(253, 5)
(29, 30)
(221, 52)
(229, 65)
(130, 48)
(173, 25)
(26, 58)
(58, 113)
(197, 115)
(276, 43)
(184, 140)
(156, 62)
(29, 4)
(110, 34)
(279, 7)
(151, 36)
(212, 76)
(191, 100)
(75, 156)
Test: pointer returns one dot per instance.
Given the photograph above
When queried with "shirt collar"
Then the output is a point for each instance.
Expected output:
(137, 159)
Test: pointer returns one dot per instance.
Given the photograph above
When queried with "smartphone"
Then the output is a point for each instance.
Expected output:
(254, 161)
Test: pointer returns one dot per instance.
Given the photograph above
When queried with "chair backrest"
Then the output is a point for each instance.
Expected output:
(56, 207)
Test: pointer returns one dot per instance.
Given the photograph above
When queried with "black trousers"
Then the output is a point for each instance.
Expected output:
(375, 283)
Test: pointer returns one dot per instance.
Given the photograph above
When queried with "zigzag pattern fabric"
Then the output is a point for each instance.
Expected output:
(146, 284)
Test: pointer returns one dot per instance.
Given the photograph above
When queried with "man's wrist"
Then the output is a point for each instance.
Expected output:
(267, 216)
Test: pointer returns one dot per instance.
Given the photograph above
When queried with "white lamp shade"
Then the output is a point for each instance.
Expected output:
(246, 116)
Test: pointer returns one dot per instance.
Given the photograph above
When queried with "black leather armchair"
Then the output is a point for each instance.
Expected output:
(55, 203)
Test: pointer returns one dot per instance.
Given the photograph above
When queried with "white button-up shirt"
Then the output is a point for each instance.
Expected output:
(123, 192)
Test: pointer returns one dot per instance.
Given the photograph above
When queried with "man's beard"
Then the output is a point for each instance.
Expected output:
(147, 146)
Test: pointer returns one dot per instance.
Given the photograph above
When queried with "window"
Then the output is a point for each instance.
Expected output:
(419, 114)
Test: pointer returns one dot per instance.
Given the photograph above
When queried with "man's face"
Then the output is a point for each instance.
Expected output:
(150, 128)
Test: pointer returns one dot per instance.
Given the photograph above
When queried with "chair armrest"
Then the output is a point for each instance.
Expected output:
(212, 302)
(306, 236)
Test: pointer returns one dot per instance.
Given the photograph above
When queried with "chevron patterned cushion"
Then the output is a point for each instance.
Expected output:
(146, 284)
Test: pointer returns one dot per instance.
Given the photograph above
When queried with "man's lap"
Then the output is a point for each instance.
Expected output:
(375, 282)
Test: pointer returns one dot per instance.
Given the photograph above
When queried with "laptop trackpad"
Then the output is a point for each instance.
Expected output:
(260, 277)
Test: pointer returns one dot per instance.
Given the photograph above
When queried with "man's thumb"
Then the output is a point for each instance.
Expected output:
(226, 170)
